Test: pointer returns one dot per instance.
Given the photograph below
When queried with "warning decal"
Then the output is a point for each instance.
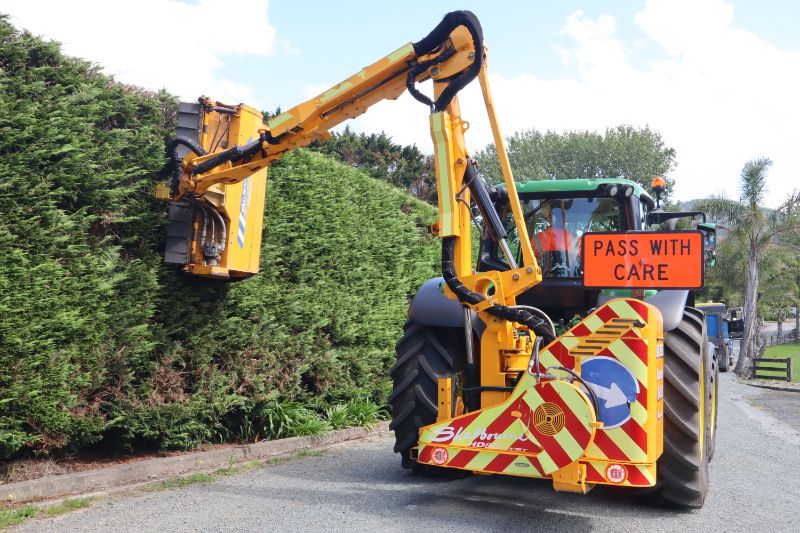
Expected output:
(643, 260)
(439, 456)
(616, 474)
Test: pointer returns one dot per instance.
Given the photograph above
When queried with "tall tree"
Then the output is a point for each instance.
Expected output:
(759, 229)
(793, 242)
(779, 283)
(724, 281)
(637, 154)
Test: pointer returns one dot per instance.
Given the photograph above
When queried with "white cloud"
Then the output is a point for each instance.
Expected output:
(719, 95)
(157, 43)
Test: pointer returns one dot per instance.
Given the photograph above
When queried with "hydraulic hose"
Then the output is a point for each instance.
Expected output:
(480, 194)
(174, 159)
(223, 238)
(436, 38)
(237, 153)
(464, 295)
(542, 314)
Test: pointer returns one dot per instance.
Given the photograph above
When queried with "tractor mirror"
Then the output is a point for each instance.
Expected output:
(709, 232)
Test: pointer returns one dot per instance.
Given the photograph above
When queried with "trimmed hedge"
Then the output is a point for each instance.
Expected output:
(103, 346)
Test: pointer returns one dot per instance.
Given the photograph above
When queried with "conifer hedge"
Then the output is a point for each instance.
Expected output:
(104, 346)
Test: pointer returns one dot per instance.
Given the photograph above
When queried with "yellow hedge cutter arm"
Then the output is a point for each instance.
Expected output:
(234, 146)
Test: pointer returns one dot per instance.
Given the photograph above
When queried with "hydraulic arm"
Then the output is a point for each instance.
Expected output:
(218, 170)
(218, 179)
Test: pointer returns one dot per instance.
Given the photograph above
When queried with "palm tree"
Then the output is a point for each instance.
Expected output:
(758, 228)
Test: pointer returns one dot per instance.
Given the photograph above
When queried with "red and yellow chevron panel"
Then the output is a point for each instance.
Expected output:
(542, 428)
(622, 474)
(550, 425)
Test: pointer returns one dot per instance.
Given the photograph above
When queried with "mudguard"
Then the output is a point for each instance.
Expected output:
(431, 307)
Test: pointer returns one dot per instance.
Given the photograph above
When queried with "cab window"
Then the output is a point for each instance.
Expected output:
(555, 227)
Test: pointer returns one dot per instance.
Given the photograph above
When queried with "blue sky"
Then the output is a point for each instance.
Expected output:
(720, 80)
(334, 39)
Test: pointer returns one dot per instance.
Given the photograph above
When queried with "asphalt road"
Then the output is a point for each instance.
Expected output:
(755, 478)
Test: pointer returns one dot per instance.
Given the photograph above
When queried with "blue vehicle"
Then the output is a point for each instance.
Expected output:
(718, 333)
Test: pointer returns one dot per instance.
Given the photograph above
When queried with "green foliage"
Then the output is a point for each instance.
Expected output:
(76, 233)
(621, 152)
(724, 282)
(353, 413)
(402, 166)
(760, 233)
(17, 515)
(102, 345)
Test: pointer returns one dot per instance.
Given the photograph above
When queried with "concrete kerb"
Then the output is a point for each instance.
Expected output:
(150, 470)
(771, 386)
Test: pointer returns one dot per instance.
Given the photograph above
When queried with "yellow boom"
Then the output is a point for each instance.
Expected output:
(217, 190)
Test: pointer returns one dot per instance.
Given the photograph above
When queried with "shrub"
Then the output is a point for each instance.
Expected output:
(102, 345)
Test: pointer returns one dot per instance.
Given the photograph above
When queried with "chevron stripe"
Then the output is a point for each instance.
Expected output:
(480, 461)
(638, 475)
(499, 463)
(462, 458)
(503, 439)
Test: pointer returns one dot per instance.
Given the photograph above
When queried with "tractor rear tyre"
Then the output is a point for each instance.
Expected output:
(683, 467)
(424, 354)
(712, 390)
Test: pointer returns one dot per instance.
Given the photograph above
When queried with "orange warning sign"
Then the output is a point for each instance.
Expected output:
(643, 260)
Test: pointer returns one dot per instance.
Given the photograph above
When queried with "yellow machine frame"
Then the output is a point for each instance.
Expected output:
(223, 177)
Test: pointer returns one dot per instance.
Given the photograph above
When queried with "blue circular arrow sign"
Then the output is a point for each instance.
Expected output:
(615, 386)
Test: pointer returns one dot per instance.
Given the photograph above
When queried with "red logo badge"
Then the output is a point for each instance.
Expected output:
(439, 456)
(616, 474)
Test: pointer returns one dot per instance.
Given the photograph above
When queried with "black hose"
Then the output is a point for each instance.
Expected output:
(467, 296)
(436, 38)
(419, 68)
(592, 394)
(174, 159)
(237, 153)
(480, 194)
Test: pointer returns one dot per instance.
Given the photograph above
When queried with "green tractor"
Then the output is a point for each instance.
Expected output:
(557, 214)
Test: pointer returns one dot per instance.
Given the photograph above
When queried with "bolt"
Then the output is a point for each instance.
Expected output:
(435, 71)
(529, 270)
(515, 277)
(459, 161)
(471, 55)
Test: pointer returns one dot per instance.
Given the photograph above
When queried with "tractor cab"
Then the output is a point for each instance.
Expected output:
(557, 214)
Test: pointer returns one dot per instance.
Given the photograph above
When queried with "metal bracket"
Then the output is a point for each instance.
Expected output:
(445, 399)
(572, 478)
(533, 363)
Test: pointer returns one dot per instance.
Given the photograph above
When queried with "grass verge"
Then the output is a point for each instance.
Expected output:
(230, 470)
(783, 351)
(17, 515)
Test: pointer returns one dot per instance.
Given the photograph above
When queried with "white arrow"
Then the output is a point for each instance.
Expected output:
(613, 395)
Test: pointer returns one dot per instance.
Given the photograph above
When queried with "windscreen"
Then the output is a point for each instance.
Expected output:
(555, 227)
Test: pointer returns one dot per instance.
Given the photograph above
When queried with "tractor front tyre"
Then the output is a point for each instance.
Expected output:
(424, 354)
(682, 469)
(723, 358)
